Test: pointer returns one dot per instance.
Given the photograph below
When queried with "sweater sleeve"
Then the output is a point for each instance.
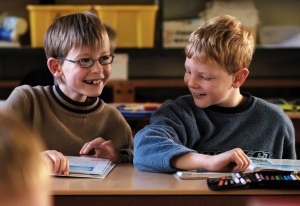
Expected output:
(289, 148)
(19, 103)
(119, 131)
(159, 142)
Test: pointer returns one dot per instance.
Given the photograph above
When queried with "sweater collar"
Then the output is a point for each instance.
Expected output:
(240, 108)
(92, 103)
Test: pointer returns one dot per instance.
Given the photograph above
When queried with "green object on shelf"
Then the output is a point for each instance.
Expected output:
(282, 103)
(296, 104)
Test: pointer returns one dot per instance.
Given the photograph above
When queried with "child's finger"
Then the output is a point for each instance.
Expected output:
(67, 168)
(83, 148)
(56, 158)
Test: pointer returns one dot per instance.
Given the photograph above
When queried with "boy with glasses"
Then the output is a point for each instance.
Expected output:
(217, 127)
(69, 115)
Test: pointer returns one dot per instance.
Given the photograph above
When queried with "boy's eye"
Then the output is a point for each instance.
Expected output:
(103, 58)
(206, 78)
(85, 60)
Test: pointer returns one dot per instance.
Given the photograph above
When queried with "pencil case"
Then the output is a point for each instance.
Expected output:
(264, 179)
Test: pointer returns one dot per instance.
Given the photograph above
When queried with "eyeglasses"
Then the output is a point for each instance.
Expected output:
(89, 62)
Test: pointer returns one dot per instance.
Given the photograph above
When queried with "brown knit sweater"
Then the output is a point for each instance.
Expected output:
(65, 125)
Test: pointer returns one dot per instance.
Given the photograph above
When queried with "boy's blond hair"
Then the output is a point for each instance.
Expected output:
(74, 31)
(22, 168)
(223, 41)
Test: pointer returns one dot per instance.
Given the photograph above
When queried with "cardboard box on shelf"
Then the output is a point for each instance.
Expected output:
(176, 32)
(245, 11)
(119, 67)
(280, 36)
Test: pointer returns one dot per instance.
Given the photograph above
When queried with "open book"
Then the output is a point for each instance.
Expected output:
(258, 164)
(262, 164)
(89, 167)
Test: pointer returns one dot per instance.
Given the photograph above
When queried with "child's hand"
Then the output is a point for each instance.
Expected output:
(297, 172)
(57, 163)
(103, 149)
(233, 160)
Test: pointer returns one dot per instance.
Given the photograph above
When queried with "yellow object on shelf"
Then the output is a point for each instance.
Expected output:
(42, 16)
(282, 103)
(135, 25)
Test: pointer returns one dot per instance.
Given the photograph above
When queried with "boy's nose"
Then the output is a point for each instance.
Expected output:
(193, 82)
(97, 67)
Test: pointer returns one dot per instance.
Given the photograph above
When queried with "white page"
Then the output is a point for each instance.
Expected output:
(88, 165)
(274, 164)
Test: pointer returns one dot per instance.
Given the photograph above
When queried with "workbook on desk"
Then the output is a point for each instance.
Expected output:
(89, 167)
(258, 164)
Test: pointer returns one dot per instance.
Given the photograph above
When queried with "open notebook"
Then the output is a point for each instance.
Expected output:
(258, 164)
(89, 167)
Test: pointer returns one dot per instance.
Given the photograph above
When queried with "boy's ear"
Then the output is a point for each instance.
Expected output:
(54, 67)
(240, 77)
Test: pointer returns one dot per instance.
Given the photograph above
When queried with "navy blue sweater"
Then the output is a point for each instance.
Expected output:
(260, 128)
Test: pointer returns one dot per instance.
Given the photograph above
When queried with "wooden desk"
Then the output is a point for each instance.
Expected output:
(127, 186)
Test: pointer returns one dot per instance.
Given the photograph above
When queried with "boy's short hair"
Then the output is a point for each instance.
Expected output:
(223, 41)
(74, 31)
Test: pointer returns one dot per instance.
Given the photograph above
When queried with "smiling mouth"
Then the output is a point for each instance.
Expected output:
(94, 82)
(198, 94)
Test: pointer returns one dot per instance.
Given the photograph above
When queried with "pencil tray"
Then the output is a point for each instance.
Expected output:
(265, 179)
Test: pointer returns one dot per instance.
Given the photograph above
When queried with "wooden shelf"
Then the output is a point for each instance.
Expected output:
(271, 83)
(293, 115)
(9, 83)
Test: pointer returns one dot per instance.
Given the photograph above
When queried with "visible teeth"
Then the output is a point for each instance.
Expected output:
(94, 82)
(198, 94)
